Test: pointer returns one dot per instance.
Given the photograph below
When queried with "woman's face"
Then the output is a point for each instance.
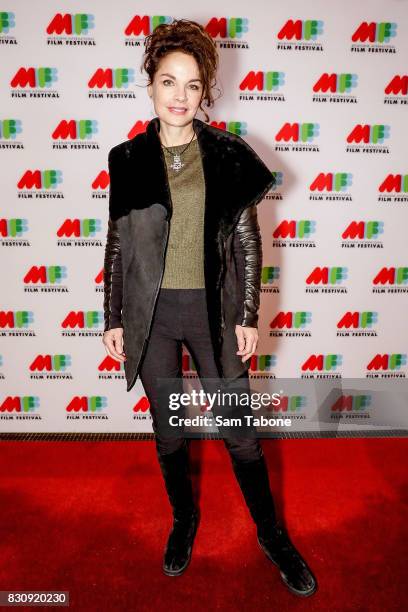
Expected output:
(176, 85)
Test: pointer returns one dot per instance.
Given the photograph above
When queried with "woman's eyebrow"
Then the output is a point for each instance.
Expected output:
(173, 77)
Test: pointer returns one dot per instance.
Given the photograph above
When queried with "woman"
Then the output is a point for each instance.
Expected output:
(182, 265)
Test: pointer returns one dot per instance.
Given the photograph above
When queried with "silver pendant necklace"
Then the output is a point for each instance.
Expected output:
(177, 163)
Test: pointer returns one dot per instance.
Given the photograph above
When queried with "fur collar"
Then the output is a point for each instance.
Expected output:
(235, 176)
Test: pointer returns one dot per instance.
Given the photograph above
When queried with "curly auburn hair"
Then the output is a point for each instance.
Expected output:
(189, 37)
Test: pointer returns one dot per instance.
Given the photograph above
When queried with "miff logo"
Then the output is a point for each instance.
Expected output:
(73, 129)
(392, 361)
(71, 23)
(34, 77)
(380, 32)
(391, 276)
(108, 364)
(301, 29)
(327, 362)
(7, 21)
(295, 229)
(332, 181)
(351, 403)
(269, 274)
(142, 26)
(18, 403)
(11, 228)
(363, 229)
(395, 182)
(15, 319)
(327, 276)
(262, 363)
(142, 405)
(89, 319)
(298, 132)
(227, 27)
(138, 128)
(45, 274)
(9, 128)
(79, 227)
(373, 134)
(40, 179)
(288, 403)
(336, 83)
(50, 363)
(236, 127)
(397, 85)
(101, 181)
(93, 403)
(358, 320)
(112, 77)
(99, 277)
(291, 320)
(262, 81)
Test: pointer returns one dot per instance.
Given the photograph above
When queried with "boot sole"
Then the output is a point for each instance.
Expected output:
(182, 569)
(291, 588)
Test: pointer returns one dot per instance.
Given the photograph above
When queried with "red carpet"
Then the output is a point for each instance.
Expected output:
(92, 518)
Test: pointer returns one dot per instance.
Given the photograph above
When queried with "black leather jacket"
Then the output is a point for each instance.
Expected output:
(247, 251)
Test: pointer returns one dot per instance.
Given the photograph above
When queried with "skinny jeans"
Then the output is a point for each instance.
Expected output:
(181, 317)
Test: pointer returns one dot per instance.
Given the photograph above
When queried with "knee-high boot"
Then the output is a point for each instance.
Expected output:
(272, 537)
(175, 468)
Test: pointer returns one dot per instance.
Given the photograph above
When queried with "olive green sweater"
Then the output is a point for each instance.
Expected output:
(184, 264)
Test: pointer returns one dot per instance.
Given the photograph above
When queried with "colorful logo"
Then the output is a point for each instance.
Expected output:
(34, 77)
(40, 179)
(16, 319)
(332, 181)
(7, 21)
(9, 128)
(322, 362)
(301, 29)
(262, 81)
(13, 228)
(298, 132)
(117, 78)
(81, 129)
(50, 363)
(71, 23)
(336, 83)
(373, 32)
(18, 403)
(142, 26)
(83, 319)
(49, 275)
(227, 27)
(93, 403)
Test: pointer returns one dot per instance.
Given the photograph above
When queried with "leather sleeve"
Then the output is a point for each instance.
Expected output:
(247, 245)
(112, 278)
(112, 274)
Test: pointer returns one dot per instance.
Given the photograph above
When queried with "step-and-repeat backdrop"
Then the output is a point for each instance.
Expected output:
(319, 90)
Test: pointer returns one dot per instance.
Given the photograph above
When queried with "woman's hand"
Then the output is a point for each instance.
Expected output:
(247, 338)
(113, 341)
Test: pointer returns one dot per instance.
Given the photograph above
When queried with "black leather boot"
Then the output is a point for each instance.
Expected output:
(272, 538)
(175, 468)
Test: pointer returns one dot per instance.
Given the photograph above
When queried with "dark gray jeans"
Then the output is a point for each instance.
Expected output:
(181, 317)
